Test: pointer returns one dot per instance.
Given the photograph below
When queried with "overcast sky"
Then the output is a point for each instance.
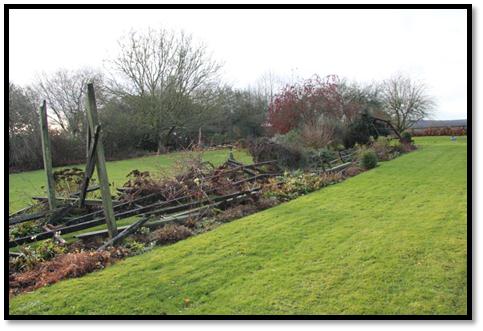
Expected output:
(362, 45)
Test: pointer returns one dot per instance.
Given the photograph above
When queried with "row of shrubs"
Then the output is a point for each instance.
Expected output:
(447, 131)
(292, 157)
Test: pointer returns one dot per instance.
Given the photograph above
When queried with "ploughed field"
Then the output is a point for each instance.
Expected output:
(391, 240)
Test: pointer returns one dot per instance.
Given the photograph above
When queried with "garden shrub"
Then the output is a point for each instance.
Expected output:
(406, 137)
(352, 171)
(321, 133)
(68, 181)
(236, 212)
(402, 148)
(23, 230)
(298, 183)
(30, 257)
(383, 149)
(287, 156)
(290, 138)
(368, 159)
(134, 247)
(361, 130)
(318, 157)
(170, 233)
(48, 249)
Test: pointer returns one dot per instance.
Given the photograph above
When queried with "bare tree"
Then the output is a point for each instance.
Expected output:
(65, 94)
(23, 127)
(166, 73)
(268, 84)
(406, 101)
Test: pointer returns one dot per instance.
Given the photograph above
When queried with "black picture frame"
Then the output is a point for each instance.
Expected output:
(467, 7)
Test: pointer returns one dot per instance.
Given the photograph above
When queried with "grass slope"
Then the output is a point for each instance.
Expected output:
(22, 186)
(389, 241)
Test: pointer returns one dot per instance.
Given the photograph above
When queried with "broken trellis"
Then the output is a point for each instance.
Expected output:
(154, 210)
(138, 207)
(222, 187)
(59, 208)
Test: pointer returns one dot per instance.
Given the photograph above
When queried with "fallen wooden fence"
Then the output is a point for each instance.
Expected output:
(143, 210)
(165, 209)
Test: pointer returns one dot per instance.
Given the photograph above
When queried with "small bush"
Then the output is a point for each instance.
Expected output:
(134, 247)
(352, 171)
(48, 249)
(68, 181)
(23, 230)
(287, 156)
(236, 212)
(368, 159)
(401, 148)
(31, 257)
(322, 133)
(27, 261)
(406, 137)
(383, 149)
(318, 157)
(298, 183)
(265, 203)
(361, 130)
(170, 234)
(290, 138)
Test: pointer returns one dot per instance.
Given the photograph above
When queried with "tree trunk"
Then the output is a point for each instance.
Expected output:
(163, 143)
(199, 137)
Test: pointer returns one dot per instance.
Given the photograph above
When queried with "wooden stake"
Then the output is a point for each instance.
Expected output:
(101, 163)
(47, 155)
(90, 164)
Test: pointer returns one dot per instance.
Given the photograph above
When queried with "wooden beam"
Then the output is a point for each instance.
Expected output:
(57, 238)
(90, 164)
(339, 167)
(126, 232)
(147, 210)
(88, 202)
(93, 119)
(27, 217)
(90, 189)
(21, 211)
(47, 155)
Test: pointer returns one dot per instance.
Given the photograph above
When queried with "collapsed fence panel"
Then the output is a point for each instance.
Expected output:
(128, 213)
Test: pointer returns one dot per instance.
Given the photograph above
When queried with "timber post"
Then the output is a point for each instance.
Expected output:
(93, 120)
(47, 156)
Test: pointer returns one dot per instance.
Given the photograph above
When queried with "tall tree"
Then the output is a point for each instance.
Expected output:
(23, 127)
(164, 72)
(65, 92)
(406, 101)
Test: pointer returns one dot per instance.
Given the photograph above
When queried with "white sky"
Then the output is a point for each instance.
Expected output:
(362, 45)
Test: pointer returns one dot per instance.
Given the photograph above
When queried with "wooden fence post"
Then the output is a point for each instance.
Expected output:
(47, 155)
(101, 163)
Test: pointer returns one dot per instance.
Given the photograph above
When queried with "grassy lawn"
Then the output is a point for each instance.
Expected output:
(389, 241)
(23, 186)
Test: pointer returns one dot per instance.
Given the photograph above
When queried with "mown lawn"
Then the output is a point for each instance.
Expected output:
(389, 241)
(22, 186)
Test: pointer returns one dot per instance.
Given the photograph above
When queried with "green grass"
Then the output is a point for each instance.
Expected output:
(22, 186)
(389, 241)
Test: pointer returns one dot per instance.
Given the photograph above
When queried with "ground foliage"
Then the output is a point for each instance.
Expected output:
(347, 249)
